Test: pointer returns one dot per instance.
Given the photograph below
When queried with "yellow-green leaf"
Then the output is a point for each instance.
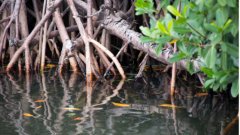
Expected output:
(173, 41)
(162, 28)
(170, 25)
(227, 23)
(174, 11)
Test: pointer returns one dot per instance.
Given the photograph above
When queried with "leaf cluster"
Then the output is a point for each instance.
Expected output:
(204, 31)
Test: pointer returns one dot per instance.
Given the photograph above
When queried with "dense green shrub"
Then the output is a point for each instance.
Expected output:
(204, 30)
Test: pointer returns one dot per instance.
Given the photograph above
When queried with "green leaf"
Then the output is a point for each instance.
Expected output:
(234, 29)
(222, 2)
(174, 11)
(208, 83)
(210, 27)
(155, 34)
(185, 11)
(181, 20)
(163, 40)
(170, 25)
(181, 29)
(215, 38)
(159, 49)
(177, 57)
(235, 61)
(207, 71)
(164, 3)
(221, 16)
(182, 47)
(152, 23)
(232, 49)
(162, 28)
(232, 3)
(192, 50)
(145, 39)
(190, 67)
(208, 3)
(235, 88)
(224, 47)
(224, 60)
(216, 86)
(211, 57)
(224, 78)
(167, 18)
(195, 25)
(144, 6)
(145, 31)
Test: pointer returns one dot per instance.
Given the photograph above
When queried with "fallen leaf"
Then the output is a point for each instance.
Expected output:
(71, 109)
(39, 101)
(120, 104)
(27, 115)
(50, 66)
(77, 118)
(170, 106)
(201, 94)
(38, 107)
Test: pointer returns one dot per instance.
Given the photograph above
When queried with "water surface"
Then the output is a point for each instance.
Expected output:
(65, 105)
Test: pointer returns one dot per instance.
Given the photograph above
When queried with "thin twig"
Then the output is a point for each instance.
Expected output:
(119, 52)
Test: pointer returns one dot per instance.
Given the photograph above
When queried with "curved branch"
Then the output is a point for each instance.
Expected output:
(114, 59)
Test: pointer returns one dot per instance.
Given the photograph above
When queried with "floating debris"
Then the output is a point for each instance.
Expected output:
(77, 118)
(170, 106)
(72, 109)
(50, 66)
(27, 115)
(120, 104)
(39, 101)
(38, 107)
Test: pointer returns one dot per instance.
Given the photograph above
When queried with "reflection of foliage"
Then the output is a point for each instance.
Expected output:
(206, 31)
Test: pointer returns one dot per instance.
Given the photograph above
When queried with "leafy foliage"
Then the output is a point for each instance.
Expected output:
(206, 31)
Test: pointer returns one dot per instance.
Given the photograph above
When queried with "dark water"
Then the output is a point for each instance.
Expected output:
(93, 111)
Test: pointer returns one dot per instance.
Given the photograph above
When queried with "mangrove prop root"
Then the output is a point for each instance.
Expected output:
(67, 44)
(31, 36)
(85, 39)
(90, 40)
